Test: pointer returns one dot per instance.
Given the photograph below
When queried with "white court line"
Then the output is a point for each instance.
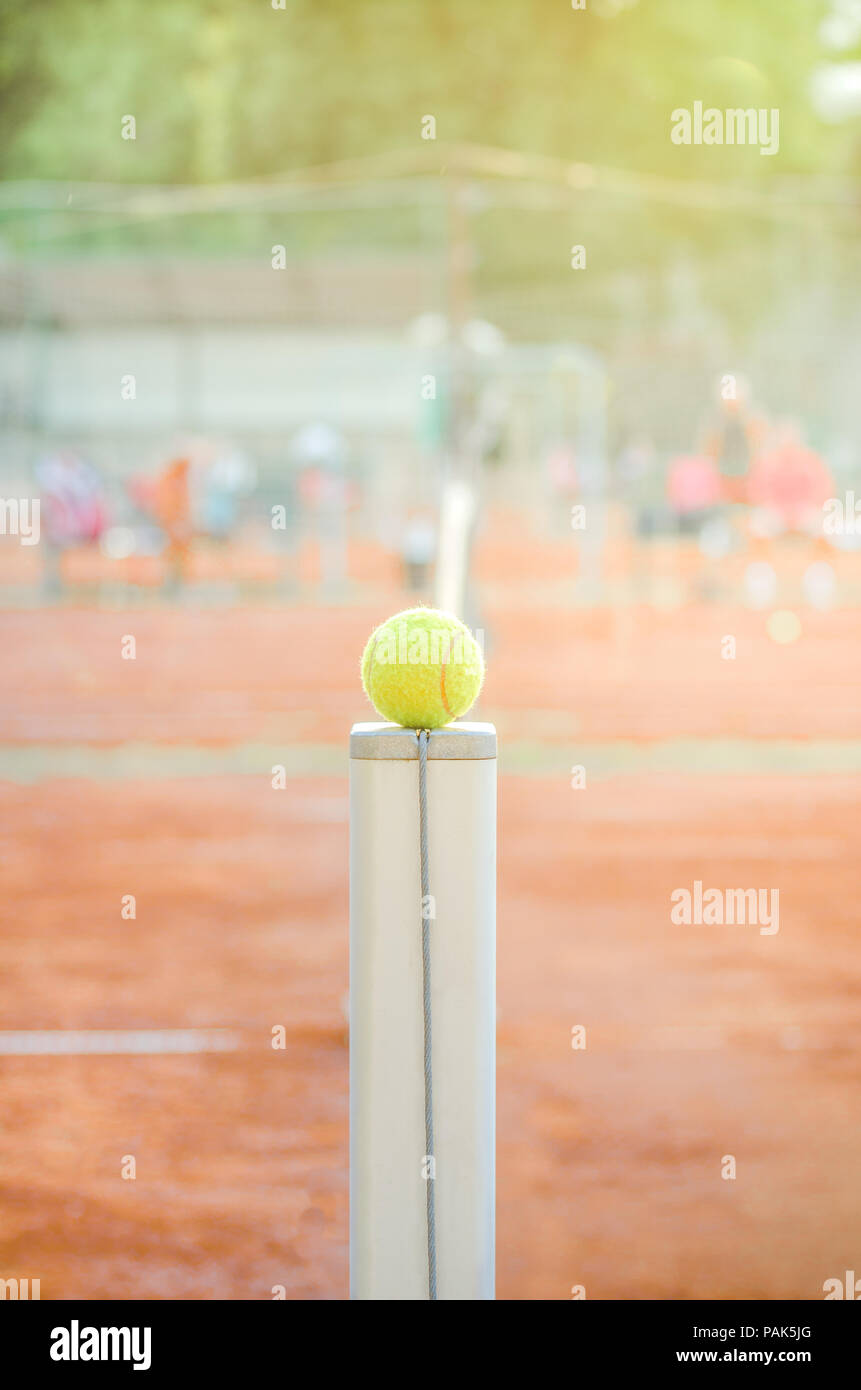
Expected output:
(147, 1042)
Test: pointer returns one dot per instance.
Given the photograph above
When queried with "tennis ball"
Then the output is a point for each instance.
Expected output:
(422, 668)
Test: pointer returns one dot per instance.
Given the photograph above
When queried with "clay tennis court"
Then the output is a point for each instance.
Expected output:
(153, 778)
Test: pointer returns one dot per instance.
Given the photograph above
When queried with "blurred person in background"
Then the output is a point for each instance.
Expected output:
(733, 437)
(172, 511)
(792, 482)
(418, 548)
(222, 483)
(319, 451)
(562, 476)
(789, 486)
(693, 489)
(167, 500)
(695, 494)
(73, 508)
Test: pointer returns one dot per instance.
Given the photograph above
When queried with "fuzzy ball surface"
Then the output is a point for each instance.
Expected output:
(422, 668)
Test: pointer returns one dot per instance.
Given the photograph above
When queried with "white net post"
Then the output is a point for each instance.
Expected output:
(389, 1167)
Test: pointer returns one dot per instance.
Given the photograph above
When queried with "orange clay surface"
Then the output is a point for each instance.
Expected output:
(701, 1042)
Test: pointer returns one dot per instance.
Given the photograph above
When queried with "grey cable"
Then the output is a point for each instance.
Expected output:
(426, 984)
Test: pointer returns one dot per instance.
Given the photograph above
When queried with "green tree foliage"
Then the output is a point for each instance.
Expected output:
(234, 89)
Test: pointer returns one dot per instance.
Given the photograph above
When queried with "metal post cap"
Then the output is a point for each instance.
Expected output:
(459, 741)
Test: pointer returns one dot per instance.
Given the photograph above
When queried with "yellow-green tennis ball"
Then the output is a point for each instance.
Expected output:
(422, 668)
